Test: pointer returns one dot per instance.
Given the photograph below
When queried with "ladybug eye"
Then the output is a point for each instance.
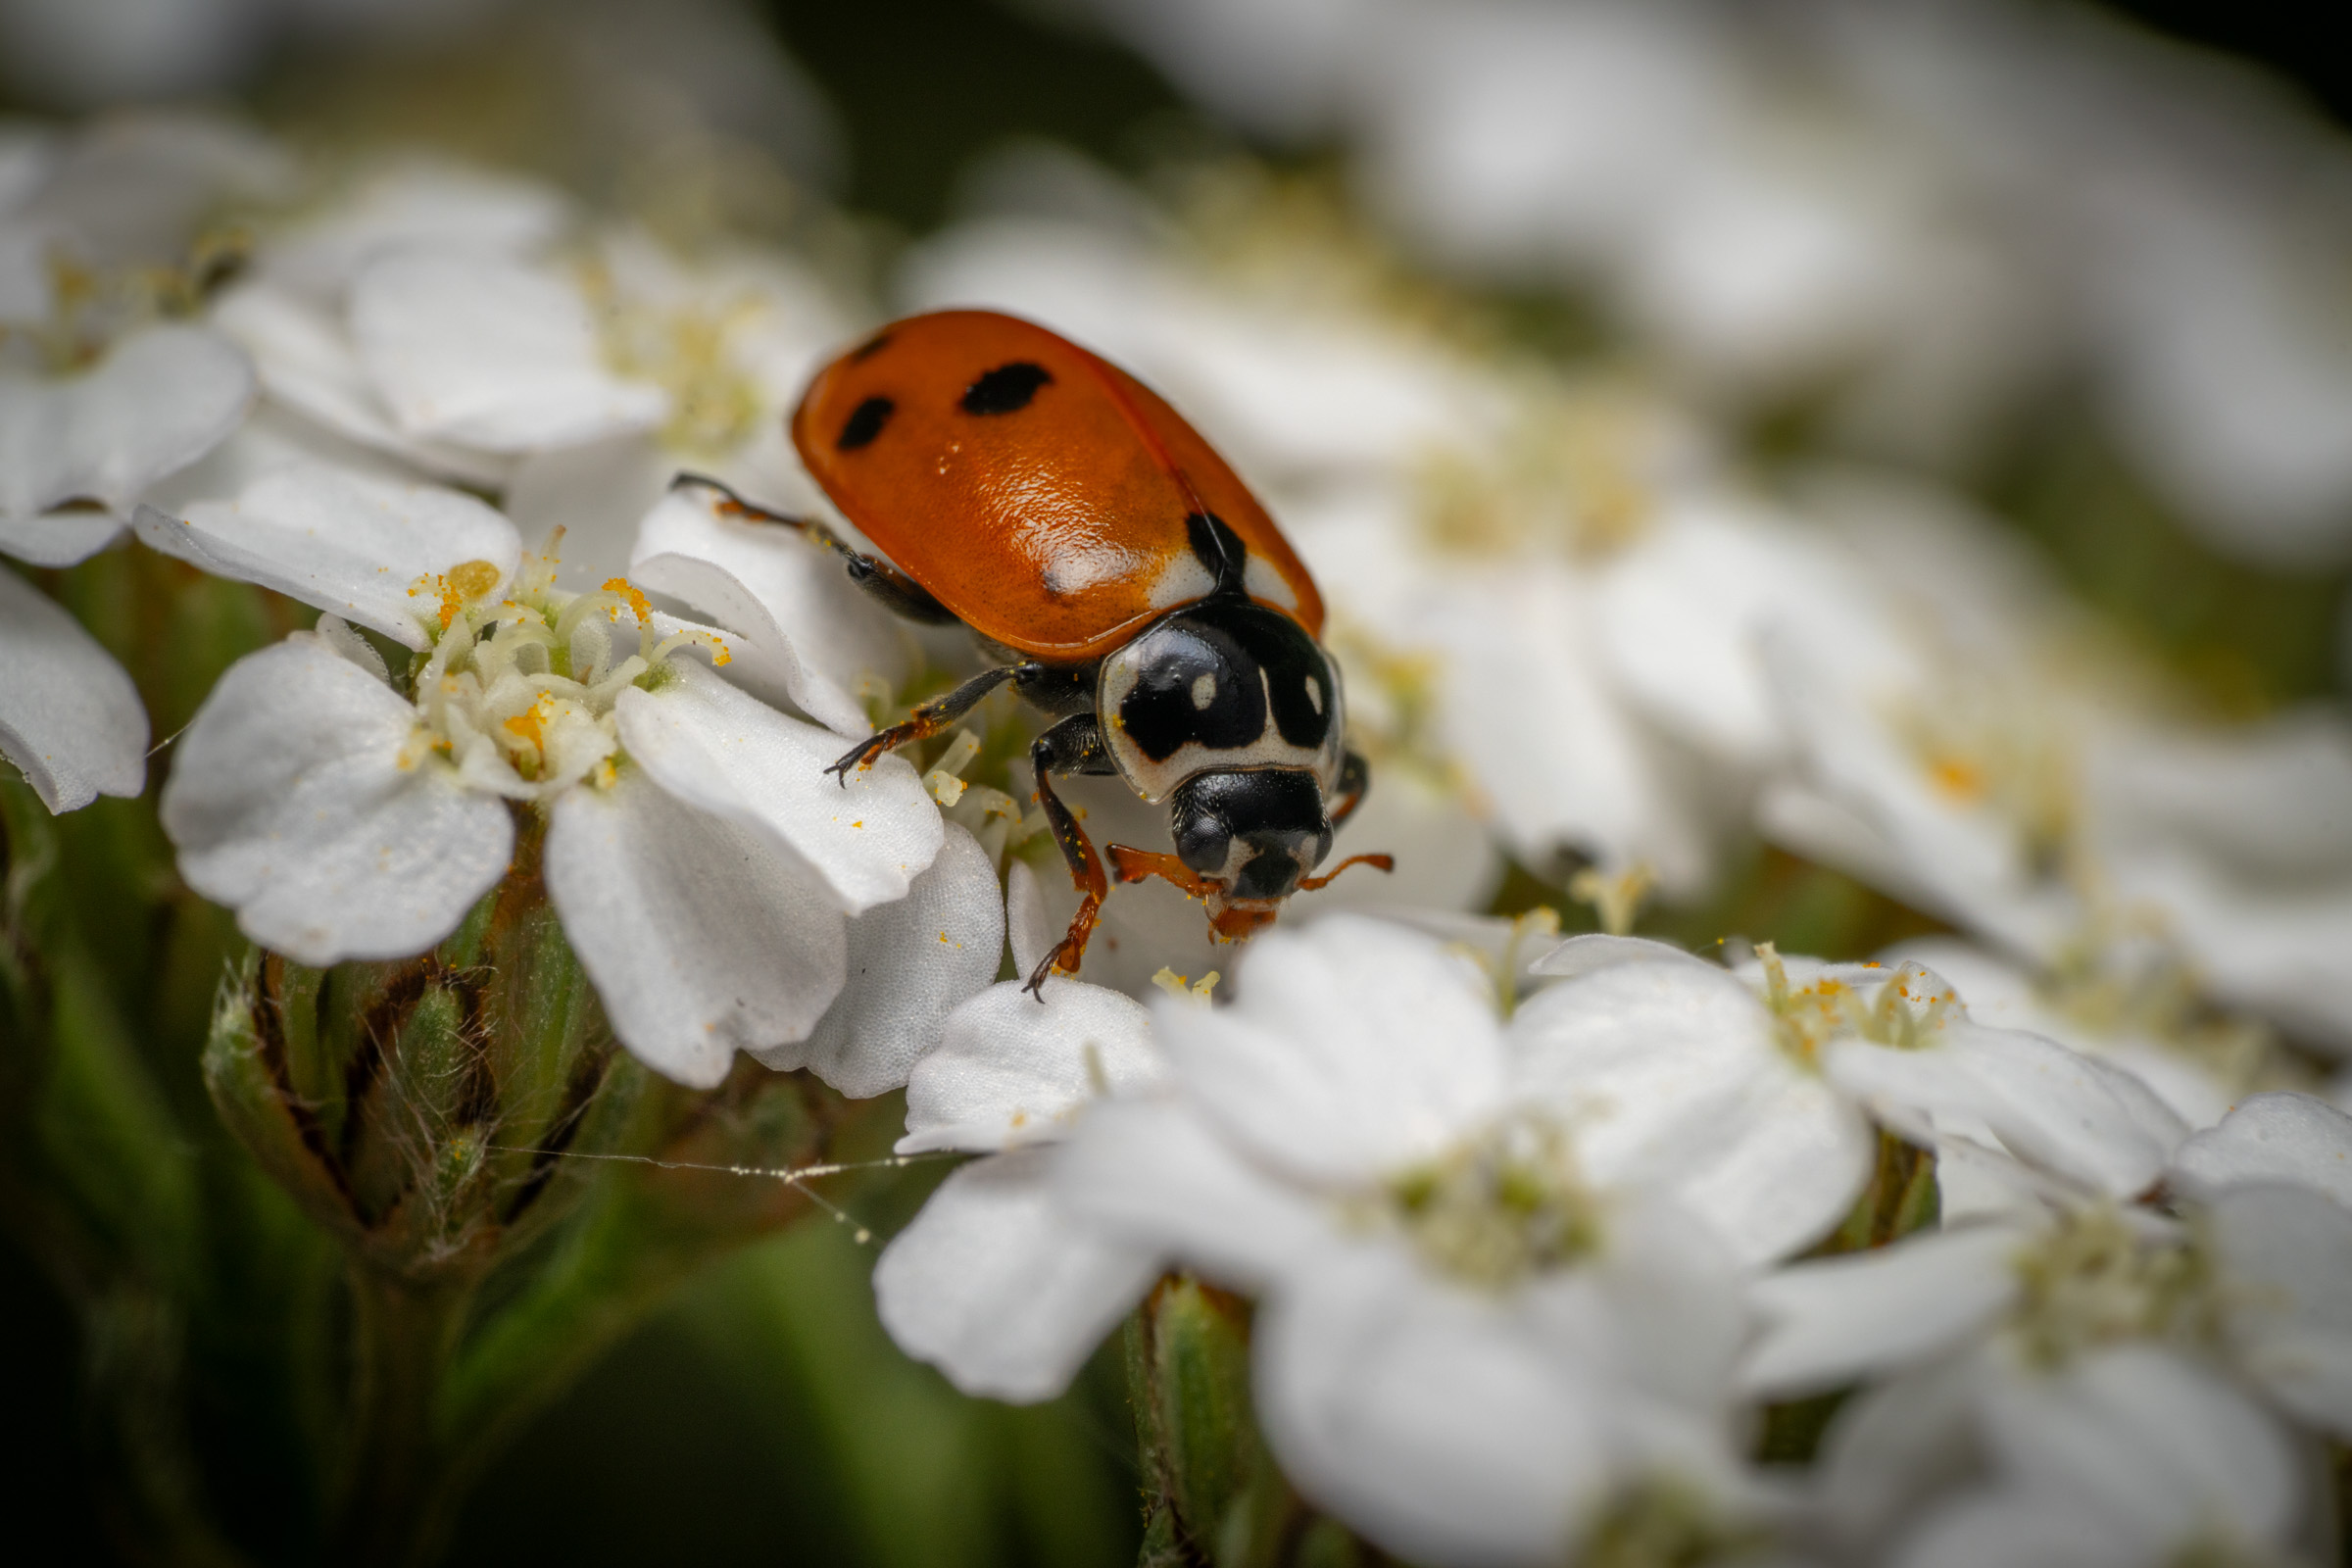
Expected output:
(865, 422)
(1007, 389)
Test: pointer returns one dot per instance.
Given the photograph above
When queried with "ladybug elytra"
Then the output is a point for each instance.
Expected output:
(1125, 579)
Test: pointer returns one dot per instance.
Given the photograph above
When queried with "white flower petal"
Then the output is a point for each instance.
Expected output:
(2286, 1257)
(1355, 1047)
(836, 631)
(490, 352)
(1588, 776)
(910, 964)
(1582, 954)
(598, 493)
(1028, 929)
(1433, 1420)
(1894, 1443)
(63, 538)
(415, 200)
(69, 716)
(1153, 1171)
(867, 837)
(158, 401)
(1832, 1321)
(2052, 1106)
(1678, 1316)
(1670, 1070)
(2163, 1448)
(2270, 1138)
(352, 544)
(1001, 1287)
(1009, 1070)
(305, 363)
(767, 657)
(293, 800)
(703, 937)
(2018, 1528)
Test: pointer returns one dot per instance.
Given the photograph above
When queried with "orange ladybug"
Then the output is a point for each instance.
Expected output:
(1128, 581)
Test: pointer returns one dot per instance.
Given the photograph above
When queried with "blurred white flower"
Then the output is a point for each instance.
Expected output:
(109, 378)
(706, 868)
(1468, 1344)
(997, 1282)
(2057, 1329)
(1993, 768)
(455, 318)
(70, 716)
(2130, 1458)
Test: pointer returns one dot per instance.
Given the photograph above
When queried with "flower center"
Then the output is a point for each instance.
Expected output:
(2144, 989)
(1662, 1523)
(1573, 477)
(682, 349)
(518, 692)
(1500, 1208)
(91, 308)
(2094, 1279)
(1904, 1012)
(1978, 747)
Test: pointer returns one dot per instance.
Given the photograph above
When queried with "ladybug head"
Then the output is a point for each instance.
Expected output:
(1256, 832)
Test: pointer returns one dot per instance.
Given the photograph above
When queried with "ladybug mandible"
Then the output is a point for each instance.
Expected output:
(1130, 584)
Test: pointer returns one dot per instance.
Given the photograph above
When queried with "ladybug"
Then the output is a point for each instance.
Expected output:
(1122, 579)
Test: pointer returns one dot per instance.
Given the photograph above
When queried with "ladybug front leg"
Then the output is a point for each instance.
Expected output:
(931, 718)
(896, 592)
(1073, 746)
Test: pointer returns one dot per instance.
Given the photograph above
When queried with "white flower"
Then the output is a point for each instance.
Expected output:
(108, 383)
(1467, 1346)
(457, 319)
(1720, 1077)
(999, 1282)
(1996, 772)
(2130, 1460)
(706, 868)
(69, 716)
(2026, 1336)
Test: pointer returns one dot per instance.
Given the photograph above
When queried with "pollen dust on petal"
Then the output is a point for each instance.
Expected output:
(1958, 778)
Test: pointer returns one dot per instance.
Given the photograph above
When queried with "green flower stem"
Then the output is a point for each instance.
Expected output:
(1213, 1496)
(404, 1335)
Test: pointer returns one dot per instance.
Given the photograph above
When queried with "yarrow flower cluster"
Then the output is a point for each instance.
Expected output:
(2017, 1231)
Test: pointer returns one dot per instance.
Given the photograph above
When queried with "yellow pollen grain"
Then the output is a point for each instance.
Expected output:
(634, 594)
(473, 578)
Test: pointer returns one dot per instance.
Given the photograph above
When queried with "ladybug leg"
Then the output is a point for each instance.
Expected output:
(1137, 865)
(1073, 746)
(898, 593)
(930, 718)
(1356, 777)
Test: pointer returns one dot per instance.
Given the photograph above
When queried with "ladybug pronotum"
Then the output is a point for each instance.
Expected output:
(1127, 581)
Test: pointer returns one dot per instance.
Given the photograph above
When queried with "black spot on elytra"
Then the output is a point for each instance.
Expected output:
(869, 348)
(1247, 651)
(1218, 547)
(1007, 389)
(865, 421)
